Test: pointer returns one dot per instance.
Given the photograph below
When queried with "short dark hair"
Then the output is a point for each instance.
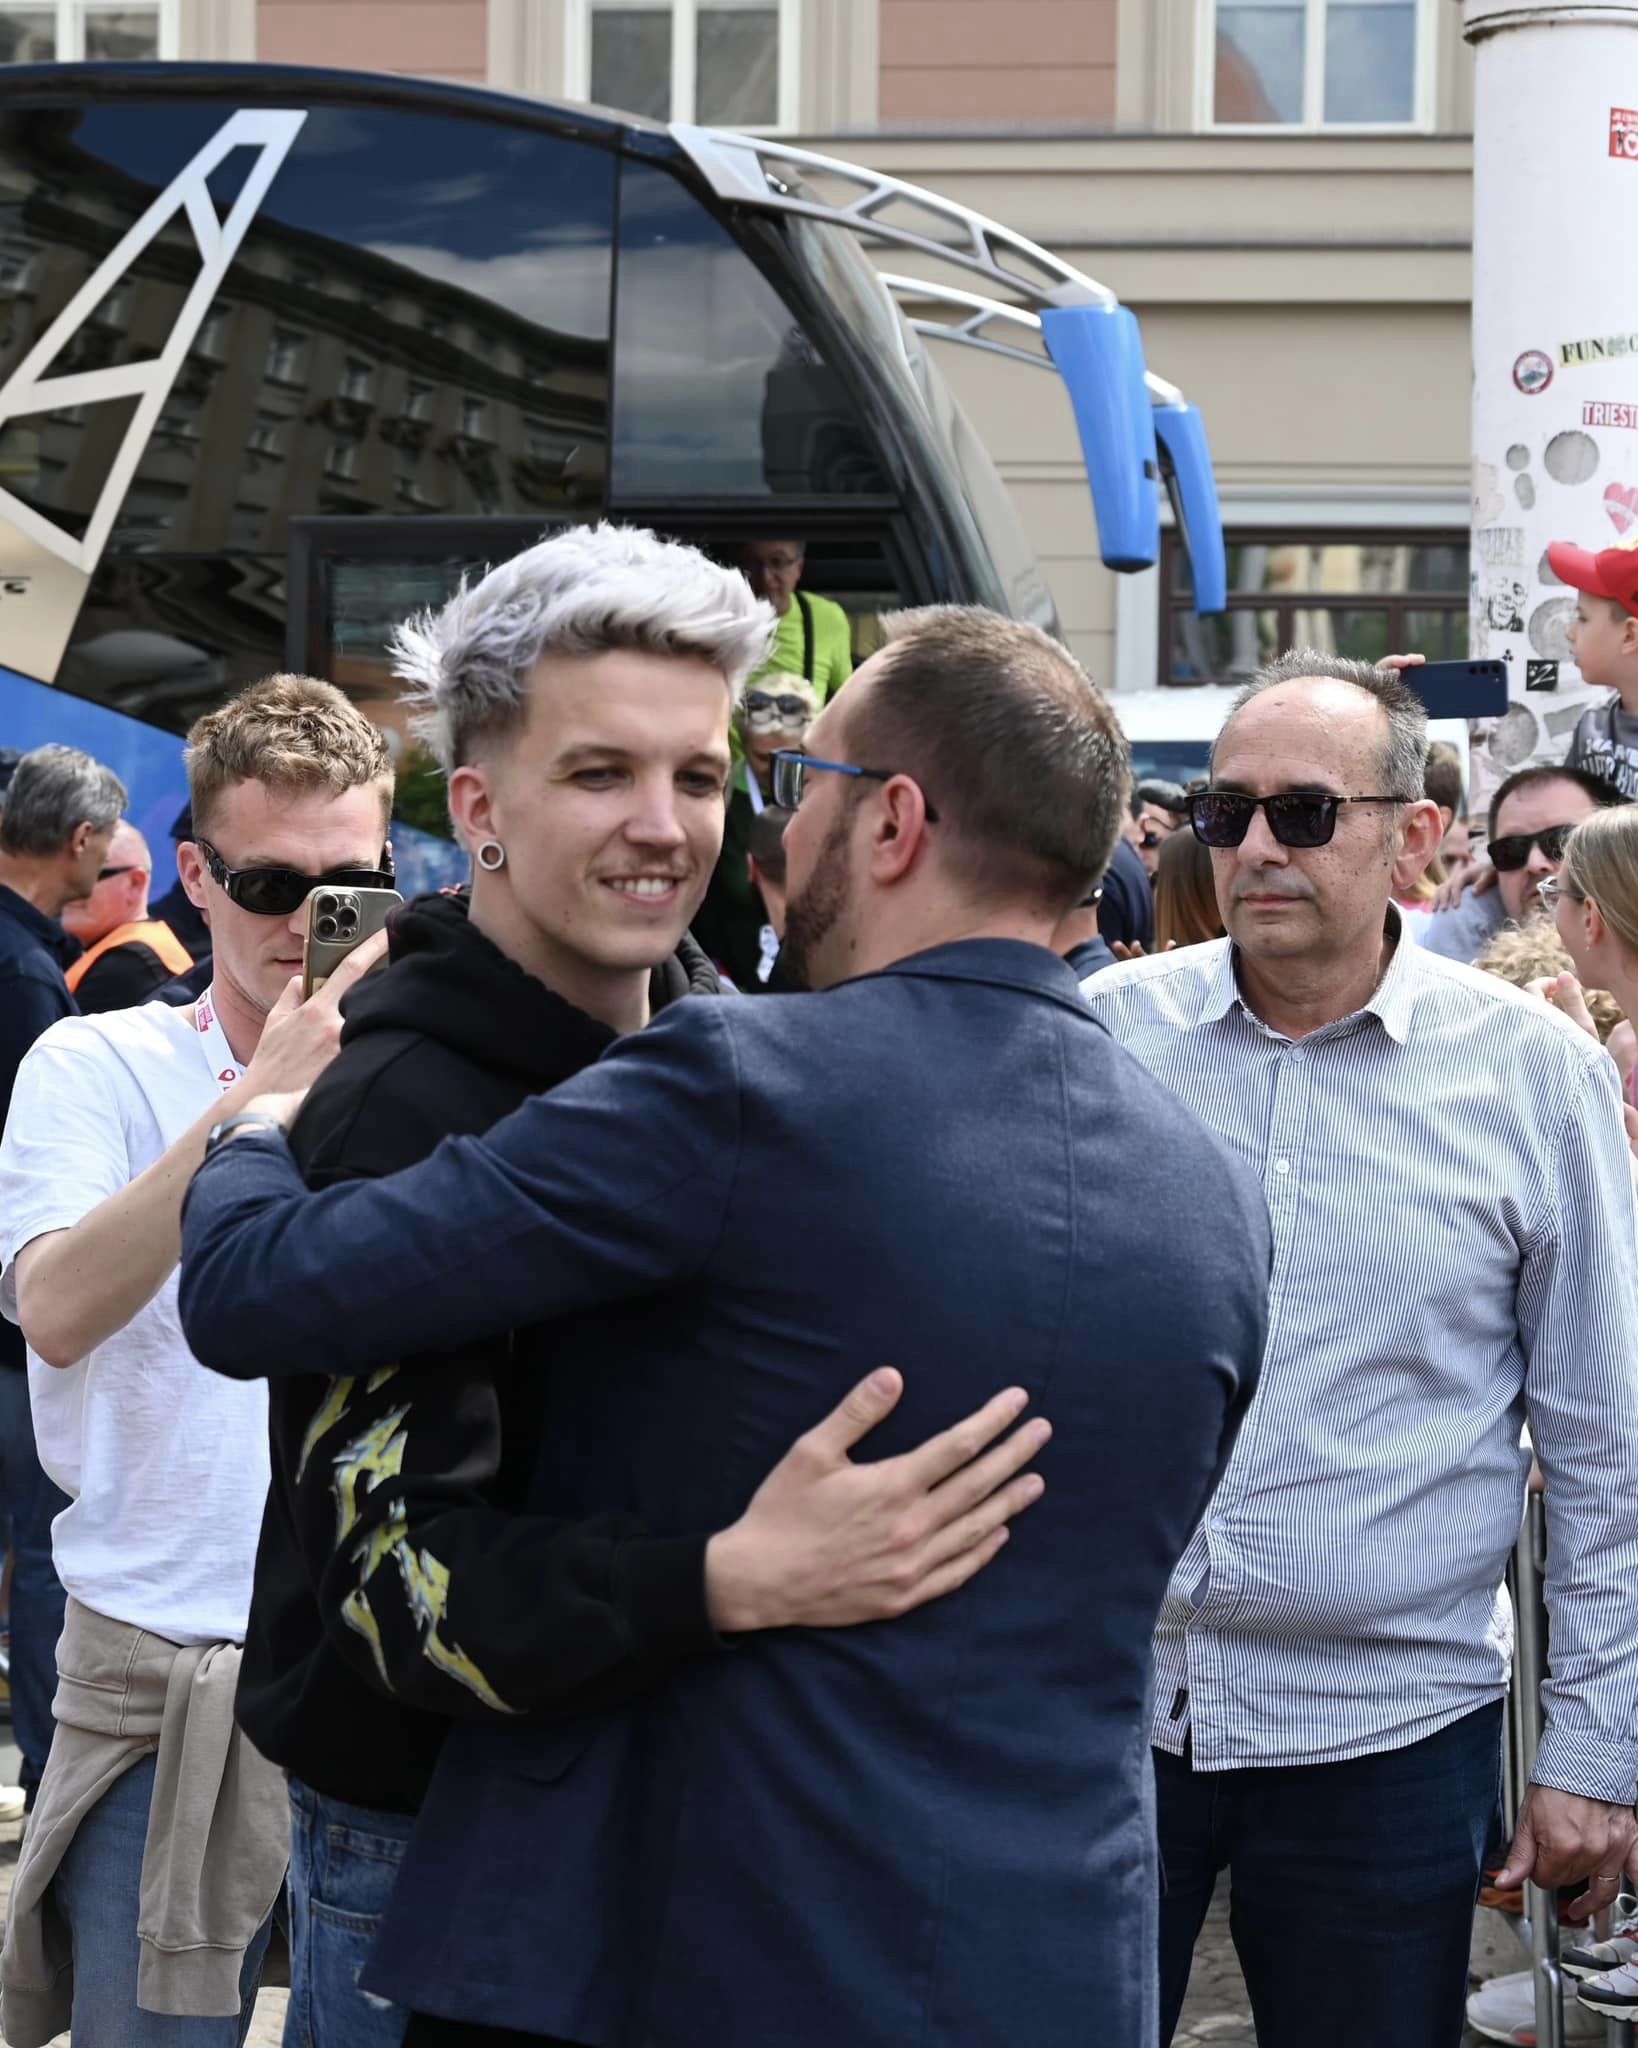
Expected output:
(1602, 793)
(765, 842)
(1011, 741)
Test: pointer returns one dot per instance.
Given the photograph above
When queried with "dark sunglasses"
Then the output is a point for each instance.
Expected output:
(279, 892)
(1222, 817)
(1508, 855)
(103, 874)
(793, 710)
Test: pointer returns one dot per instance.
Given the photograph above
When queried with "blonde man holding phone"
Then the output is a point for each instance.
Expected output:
(142, 1903)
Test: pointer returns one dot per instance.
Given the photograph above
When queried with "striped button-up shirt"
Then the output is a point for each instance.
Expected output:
(1454, 1251)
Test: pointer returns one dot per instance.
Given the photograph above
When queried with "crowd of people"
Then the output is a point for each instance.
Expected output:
(626, 1516)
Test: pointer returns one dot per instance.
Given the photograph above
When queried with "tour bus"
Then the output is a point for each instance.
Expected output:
(284, 353)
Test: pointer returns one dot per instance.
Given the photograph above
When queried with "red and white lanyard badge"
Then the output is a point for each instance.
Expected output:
(218, 1053)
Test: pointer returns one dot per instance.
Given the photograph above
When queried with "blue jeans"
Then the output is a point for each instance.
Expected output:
(28, 1504)
(1353, 1886)
(343, 1864)
(96, 1889)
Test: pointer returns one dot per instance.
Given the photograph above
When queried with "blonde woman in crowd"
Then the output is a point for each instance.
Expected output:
(1593, 901)
(1532, 955)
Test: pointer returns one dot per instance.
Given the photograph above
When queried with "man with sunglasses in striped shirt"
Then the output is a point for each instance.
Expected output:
(141, 1906)
(1447, 1174)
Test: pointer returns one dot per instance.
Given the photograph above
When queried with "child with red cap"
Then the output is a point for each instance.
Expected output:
(1604, 641)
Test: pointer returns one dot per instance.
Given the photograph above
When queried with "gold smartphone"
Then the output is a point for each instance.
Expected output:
(337, 921)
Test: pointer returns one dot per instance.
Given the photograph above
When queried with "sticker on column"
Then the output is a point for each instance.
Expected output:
(1533, 372)
(1541, 675)
(1624, 133)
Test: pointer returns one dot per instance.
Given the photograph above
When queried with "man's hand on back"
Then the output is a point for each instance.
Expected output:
(1561, 1838)
(826, 1542)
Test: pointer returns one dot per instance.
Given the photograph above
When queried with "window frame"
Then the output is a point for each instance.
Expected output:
(684, 46)
(1424, 92)
(71, 18)
(1287, 604)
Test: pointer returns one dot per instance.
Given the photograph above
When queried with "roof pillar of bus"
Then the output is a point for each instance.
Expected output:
(1138, 435)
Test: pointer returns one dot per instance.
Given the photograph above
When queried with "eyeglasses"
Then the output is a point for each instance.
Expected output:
(784, 710)
(280, 892)
(1551, 893)
(790, 774)
(106, 874)
(1222, 817)
(1508, 855)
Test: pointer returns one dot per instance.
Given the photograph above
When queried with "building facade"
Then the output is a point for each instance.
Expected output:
(1280, 190)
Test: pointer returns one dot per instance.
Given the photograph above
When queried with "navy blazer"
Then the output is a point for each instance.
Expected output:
(935, 1831)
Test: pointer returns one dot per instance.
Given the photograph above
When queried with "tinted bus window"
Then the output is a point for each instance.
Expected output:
(719, 392)
(415, 325)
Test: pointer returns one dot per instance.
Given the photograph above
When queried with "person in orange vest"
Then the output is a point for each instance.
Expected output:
(127, 953)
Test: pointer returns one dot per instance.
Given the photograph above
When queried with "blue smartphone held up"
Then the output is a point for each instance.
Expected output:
(1460, 689)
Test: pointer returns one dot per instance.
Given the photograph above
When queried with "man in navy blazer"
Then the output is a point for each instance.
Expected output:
(934, 1831)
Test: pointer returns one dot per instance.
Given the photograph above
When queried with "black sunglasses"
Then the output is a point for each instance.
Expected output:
(279, 892)
(1508, 855)
(1222, 817)
(103, 874)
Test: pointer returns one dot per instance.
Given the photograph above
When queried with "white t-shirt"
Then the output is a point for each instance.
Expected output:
(165, 1463)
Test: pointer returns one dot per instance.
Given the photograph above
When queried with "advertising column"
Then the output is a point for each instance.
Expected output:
(1555, 342)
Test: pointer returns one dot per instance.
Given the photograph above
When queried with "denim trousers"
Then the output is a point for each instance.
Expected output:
(1353, 1886)
(28, 1505)
(343, 1863)
(97, 1889)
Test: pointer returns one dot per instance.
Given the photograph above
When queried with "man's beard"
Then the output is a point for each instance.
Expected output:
(810, 915)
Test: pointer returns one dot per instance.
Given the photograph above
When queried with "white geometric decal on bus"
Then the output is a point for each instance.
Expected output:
(29, 390)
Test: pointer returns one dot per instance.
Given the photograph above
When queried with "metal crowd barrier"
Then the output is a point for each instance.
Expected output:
(1523, 1722)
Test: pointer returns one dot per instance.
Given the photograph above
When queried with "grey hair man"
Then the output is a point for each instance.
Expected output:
(59, 819)
(1451, 1194)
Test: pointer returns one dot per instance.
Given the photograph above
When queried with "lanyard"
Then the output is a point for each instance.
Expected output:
(218, 1053)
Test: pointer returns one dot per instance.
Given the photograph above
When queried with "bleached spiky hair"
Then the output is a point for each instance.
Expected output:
(592, 590)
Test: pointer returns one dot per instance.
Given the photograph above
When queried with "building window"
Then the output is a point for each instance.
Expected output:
(475, 419)
(1319, 63)
(267, 434)
(341, 459)
(70, 30)
(417, 400)
(1361, 595)
(285, 351)
(357, 379)
(722, 63)
(211, 340)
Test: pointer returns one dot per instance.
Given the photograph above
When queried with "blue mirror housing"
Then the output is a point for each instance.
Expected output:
(1098, 352)
(1185, 465)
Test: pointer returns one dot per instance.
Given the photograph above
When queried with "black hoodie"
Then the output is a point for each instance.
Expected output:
(398, 1584)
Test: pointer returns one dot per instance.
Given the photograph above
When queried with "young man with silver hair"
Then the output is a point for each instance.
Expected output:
(578, 698)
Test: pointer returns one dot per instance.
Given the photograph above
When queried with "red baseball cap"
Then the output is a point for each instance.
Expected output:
(1612, 573)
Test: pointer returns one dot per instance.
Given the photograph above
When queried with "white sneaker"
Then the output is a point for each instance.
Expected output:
(13, 1800)
(1593, 1958)
(1505, 2010)
(1614, 1993)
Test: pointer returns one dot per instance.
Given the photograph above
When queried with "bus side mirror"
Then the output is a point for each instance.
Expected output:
(1185, 466)
(1098, 352)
